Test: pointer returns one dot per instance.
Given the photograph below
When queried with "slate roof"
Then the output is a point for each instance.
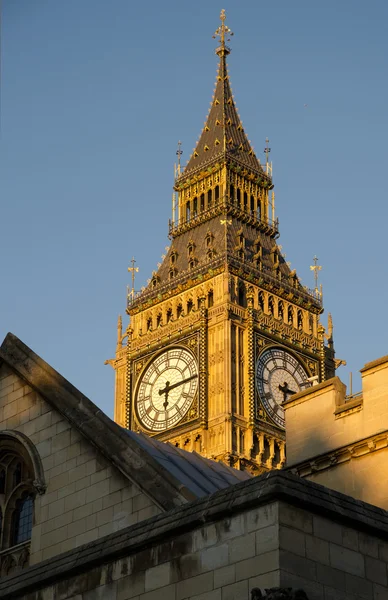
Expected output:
(168, 477)
(200, 475)
(219, 244)
(223, 136)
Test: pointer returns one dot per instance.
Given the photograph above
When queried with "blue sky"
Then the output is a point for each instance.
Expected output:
(94, 97)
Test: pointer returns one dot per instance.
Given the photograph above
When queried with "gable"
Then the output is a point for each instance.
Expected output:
(86, 497)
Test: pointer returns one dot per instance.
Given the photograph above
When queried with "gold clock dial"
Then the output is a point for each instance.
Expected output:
(278, 376)
(166, 389)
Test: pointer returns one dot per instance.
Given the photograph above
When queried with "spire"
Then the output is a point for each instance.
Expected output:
(223, 136)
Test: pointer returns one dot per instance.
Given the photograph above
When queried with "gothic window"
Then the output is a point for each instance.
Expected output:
(195, 207)
(311, 323)
(190, 248)
(280, 310)
(242, 448)
(290, 315)
(258, 210)
(271, 309)
(209, 239)
(189, 306)
(252, 205)
(20, 466)
(245, 201)
(173, 257)
(209, 198)
(172, 272)
(159, 320)
(210, 253)
(179, 311)
(192, 263)
(216, 193)
(169, 315)
(17, 474)
(300, 319)
(21, 526)
(188, 211)
(149, 324)
(238, 198)
(261, 301)
(210, 299)
(242, 298)
(231, 194)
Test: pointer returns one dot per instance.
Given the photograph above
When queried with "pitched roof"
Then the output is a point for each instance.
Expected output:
(169, 482)
(223, 136)
(200, 475)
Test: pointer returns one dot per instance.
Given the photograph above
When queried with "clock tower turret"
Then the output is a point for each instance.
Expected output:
(224, 332)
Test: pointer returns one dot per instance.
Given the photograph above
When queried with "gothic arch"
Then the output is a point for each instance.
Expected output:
(29, 450)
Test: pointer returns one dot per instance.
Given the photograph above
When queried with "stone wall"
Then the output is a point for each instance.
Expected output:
(86, 497)
(342, 441)
(265, 532)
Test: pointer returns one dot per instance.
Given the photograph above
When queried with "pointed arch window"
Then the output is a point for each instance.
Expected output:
(238, 198)
(21, 478)
(271, 305)
(261, 301)
(300, 319)
(202, 202)
(216, 194)
(21, 526)
(231, 194)
(209, 198)
(281, 310)
(290, 315)
(210, 299)
(195, 207)
(245, 201)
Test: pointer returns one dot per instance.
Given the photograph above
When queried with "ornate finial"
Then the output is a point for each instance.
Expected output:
(223, 32)
(179, 153)
(316, 268)
(119, 330)
(133, 270)
(267, 150)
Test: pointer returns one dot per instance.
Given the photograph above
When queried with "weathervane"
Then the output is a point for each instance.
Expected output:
(223, 31)
(316, 268)
(133, 270)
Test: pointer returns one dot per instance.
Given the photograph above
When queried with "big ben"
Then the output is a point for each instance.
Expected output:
(224, 332)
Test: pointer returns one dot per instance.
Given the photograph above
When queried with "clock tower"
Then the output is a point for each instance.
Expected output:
(224, 332)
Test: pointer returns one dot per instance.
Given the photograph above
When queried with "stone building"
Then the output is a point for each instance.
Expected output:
(223, 341)
(91, 511)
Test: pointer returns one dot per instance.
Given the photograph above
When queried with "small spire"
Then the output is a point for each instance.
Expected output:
(179, 153)
(133, 270)
(267, 150)
(316, 268)
(223, 32)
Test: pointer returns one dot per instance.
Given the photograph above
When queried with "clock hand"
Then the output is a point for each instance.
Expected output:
(169, 387)
(286, 391)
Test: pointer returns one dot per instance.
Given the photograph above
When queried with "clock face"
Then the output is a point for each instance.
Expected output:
(167, 389)
(278, 376)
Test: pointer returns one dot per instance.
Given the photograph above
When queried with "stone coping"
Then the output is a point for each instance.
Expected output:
(270, 487)
(374, 363)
